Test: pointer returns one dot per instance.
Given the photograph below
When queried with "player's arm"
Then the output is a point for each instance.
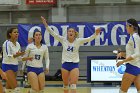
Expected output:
(47, 60)
(136, 52)
(88, 39)
(136, 48)
(9, 53)
(121, 54)
(25, 57)
(55, 35)
(19, 53)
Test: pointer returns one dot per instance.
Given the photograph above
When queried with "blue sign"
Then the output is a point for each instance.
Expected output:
(113, 33)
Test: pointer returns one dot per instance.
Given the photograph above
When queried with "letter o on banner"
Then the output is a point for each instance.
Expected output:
(31, 31)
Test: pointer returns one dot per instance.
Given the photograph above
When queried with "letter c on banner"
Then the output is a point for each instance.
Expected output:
(47, 39)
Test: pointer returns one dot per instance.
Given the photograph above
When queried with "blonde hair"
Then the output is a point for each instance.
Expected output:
(76, 34)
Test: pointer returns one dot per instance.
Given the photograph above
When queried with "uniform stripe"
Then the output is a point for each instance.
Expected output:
(7, 47)
(134, 42)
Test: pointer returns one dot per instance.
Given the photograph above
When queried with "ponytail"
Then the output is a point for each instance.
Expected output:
(134, 23)
(138, 30)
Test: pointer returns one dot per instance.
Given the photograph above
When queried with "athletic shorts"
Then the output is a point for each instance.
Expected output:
(35, 70)
(134, 70)
(6, 67)
(70, 65)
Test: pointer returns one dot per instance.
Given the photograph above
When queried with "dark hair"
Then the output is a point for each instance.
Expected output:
(134, 23)
(36, 30)
(10, 31)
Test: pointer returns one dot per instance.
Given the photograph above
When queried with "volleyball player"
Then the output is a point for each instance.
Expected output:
(132, 57)
(11, 56)
(35, 71)
(70, 55)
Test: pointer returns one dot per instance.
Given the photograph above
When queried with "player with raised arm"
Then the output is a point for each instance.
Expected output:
(70, 55)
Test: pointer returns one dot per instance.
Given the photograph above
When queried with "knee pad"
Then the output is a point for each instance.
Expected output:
(16, 90)
(9, 90)
(32, 91)
(65, 87)
(3, 91)
(120, 91)
(73, 86)
(42, 91)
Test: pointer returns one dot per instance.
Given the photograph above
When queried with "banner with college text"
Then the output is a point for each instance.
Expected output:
(113, 33)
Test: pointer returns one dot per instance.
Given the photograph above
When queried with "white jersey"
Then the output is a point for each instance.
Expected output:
(70, 51)
(133, 49)
(9, 49)
(38, 54)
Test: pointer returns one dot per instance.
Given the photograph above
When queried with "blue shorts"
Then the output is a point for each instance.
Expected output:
(70, 65)
(35, 70)
(132, 69)
(6, 67)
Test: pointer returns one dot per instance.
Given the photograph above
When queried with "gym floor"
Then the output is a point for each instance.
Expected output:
(82, 87)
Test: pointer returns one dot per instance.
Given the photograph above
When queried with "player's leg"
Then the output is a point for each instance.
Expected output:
(74, 75)
(33, 79)
(127, 80)
(137, 83)
(11, 82)
(10, 70)
(65, 78)
(41, 78)
(1, 88)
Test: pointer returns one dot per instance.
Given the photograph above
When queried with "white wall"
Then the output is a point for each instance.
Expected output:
(67, 13)
(103, 13)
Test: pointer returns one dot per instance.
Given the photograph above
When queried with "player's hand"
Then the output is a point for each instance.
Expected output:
(120, 55)
(44, 21)
(97, 31)
(27, 58)
(46, 71)
(119, 63)
(30, 58)
(20, 53)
